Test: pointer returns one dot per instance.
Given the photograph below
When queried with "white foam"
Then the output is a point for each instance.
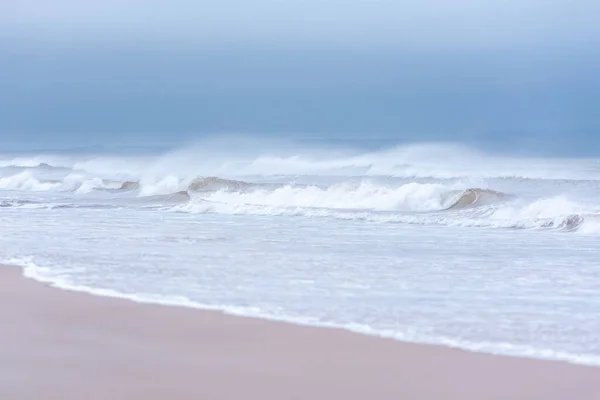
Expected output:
(89, 185)
(395, 253)
(26, 181)
(365, 202)
(433, 160)
(365, 195)
(152, 186)
(549, 212)
(30, 161)
(49, 276)
(238, 158)
(590, 225)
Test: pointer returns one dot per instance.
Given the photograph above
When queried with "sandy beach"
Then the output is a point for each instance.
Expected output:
(65, 345)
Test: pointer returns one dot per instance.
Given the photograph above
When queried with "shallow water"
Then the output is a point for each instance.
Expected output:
(370, 242)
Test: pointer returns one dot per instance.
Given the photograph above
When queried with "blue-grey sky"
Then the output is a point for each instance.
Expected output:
(99, 71)
(454, 23)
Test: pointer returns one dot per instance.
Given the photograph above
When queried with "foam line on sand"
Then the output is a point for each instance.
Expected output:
(65, 345)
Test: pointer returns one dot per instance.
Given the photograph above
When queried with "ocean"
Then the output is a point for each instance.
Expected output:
(427, 242)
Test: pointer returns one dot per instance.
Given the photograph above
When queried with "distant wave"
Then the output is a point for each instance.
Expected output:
(408, 197)
(177, 190)
(49, 167)
(44, 166)
(418, 161)
(589, 224)
(442, 161)
(25, 162)
(120, 185)
(414, 196)
(420, 204)
(213, 183)
(26, 181)
(32, 164)
(79, 183)
(172, 184)
(475, 197)
(371, 186)
(129, 185)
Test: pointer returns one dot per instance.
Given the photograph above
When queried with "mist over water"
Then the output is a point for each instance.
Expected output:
(428, 183)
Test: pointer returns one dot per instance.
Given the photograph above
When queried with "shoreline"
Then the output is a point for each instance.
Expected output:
(112, 294)
(67, 344)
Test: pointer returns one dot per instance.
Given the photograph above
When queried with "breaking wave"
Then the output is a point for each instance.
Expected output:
(26, 181)
(80, 183)
(129, 185)
(238, 159)
(73, 182)
(172, 184)
(25, 162)
(418, 184)
(112, 184)
(409, 203)
(413, 203)
(474, 198)
(419, 197)
(212, 183)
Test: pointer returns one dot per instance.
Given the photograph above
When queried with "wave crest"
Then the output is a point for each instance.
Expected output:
(120, 185)
(26, 181)
(473, 197)
(213, 183)
(418, 197)
(129, 185)
(419, 204)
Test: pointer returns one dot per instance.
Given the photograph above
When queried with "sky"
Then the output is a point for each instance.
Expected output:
(518, 72)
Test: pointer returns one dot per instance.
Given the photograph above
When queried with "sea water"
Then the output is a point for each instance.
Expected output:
(427, 243)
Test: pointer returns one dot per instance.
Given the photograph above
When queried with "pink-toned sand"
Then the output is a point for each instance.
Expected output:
(64, 345)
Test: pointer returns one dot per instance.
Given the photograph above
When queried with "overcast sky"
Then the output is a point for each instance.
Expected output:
(418, 69)
(416, 22)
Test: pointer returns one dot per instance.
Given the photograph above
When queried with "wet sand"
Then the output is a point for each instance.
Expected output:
(65, 345)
